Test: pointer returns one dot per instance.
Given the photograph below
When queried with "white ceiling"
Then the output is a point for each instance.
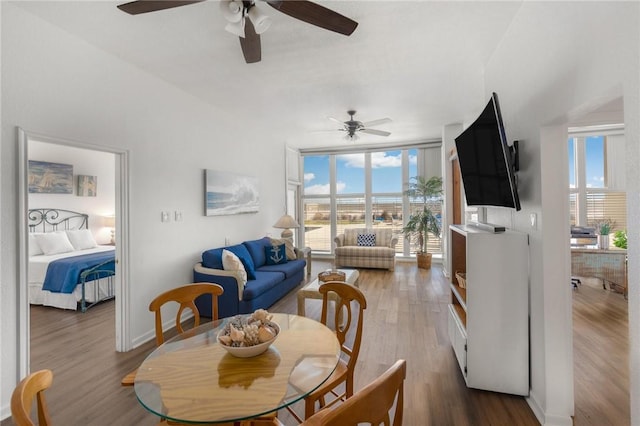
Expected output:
(418, 62)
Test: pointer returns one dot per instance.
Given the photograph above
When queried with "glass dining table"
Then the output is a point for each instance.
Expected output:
(192, 379)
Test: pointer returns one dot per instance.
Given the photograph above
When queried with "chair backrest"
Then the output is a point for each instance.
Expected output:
(185, 296)
(31, 386)
(370, 405)
(343, 323)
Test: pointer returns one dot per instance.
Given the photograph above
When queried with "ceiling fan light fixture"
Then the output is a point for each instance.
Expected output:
(236, 28)
(261, 22)
(232, 10)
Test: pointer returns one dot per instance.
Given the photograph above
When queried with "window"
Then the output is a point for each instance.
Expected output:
(596, 190)
(362, 189)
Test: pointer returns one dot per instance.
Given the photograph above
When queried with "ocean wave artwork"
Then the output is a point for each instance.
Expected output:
(230, 193)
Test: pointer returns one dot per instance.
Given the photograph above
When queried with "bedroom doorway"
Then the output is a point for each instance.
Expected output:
(112, 165)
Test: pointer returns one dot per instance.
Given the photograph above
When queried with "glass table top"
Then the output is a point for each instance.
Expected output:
(191, 378)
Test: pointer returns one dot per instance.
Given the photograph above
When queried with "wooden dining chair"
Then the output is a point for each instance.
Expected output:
(345, 324)
(370, 405)
(185, 296)
(31, 386)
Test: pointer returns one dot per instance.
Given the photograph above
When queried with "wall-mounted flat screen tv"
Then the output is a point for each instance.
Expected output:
(487, 162)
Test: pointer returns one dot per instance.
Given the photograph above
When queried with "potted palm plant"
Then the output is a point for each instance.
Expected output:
(423, 221)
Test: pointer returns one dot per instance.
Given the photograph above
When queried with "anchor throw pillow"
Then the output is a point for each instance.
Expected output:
(275, 254)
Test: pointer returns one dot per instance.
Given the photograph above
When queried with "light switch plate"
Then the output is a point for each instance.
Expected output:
(177, 216)
(533, 220)
(165, 217)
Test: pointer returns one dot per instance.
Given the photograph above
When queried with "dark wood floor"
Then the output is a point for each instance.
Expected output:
(405, 318)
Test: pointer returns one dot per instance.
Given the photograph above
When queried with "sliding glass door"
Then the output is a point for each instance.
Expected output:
(362, 190)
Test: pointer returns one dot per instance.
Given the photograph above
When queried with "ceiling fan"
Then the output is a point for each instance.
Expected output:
(249, 30)
(353, 127)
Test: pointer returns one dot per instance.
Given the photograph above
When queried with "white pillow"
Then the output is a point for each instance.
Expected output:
(54, 243)
(81, 239)
(231, 262)
(34, 247)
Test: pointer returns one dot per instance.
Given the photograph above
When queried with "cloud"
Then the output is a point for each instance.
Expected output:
(317, 189)
(378, 160)
(309, 177)
(323, 189)
(381, 159)
(352, 160)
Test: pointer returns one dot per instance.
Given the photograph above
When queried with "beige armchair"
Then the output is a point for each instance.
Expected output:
(352, 250)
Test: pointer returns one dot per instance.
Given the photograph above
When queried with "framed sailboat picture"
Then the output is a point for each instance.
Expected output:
(50, 178)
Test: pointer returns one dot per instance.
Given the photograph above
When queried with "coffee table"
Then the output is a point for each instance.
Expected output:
(310, 291)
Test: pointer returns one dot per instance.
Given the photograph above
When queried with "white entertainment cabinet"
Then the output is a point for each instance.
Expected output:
(489, 319)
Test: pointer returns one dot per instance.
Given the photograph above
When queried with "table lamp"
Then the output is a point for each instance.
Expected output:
(110, 222)
(286, 222)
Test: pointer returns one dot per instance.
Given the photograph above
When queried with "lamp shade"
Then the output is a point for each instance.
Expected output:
(286, 222)
(110, 221)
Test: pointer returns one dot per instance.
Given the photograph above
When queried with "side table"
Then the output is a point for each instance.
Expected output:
(306, 253)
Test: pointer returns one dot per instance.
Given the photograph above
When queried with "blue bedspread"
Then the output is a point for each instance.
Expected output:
(63, 275)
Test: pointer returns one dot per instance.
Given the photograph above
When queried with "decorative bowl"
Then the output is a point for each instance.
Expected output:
(250, 351)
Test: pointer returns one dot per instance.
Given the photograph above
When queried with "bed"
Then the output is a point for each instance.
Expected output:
(67, 268)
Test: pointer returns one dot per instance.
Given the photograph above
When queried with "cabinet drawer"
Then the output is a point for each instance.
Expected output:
(458, 337)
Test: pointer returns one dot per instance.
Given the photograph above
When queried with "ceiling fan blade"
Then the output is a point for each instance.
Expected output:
(336, 120)
(376, 122)
(375, 132)
(144, 6)
(251, 47)
(315, 14)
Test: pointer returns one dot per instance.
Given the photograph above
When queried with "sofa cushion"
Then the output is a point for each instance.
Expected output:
(351, 236)
(367, 240)
(275, 254)
(264, 281)
(243, 254)
(383, 237)
(373, 252)
(256, 250)
(213, 258)
(289, 268)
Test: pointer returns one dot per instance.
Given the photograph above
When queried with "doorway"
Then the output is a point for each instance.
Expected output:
(120, 208)
(600, 311)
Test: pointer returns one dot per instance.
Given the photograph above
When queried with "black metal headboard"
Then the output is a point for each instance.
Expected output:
(51, 220)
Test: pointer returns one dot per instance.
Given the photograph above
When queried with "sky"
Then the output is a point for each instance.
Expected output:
(594, 162)
(386, 172)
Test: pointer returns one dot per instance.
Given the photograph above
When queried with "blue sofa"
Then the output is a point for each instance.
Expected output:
(269, 283)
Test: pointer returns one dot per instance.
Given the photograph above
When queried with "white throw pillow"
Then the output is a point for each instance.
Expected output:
(82, 239)
(231, 262)
(34, 247)
(54, 243)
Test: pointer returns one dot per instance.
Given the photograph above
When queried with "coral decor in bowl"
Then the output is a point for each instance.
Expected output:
(246, 336)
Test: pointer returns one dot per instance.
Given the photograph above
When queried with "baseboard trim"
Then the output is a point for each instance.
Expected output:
(544, 418)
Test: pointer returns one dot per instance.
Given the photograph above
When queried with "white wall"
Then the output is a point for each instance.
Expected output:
(57, 85)
(557, 62)
(84, 162)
